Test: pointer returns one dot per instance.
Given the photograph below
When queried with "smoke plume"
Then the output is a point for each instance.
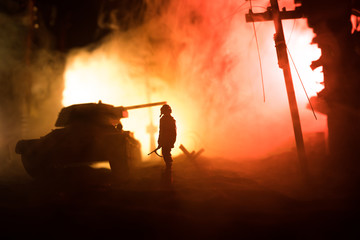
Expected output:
(201, 57)
(31, 84)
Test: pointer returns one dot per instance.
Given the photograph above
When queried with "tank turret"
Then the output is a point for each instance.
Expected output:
(84, 134)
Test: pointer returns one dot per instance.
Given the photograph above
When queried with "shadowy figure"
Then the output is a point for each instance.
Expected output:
(167, 135)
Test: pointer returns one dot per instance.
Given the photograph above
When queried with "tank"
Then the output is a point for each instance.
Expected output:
(84, 134)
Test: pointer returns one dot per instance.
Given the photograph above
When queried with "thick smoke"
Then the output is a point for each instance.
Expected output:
(201, 57)
(31, 83)
(10, 63)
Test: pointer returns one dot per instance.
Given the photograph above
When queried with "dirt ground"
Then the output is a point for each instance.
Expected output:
(203, 199)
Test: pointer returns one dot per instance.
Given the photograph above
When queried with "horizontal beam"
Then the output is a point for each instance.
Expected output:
(268, 16)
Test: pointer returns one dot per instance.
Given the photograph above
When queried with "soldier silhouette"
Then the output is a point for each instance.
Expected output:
(167, 134)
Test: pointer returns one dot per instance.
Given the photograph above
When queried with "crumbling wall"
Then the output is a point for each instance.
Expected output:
(330, 21)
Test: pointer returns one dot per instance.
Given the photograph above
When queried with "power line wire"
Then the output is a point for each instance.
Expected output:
(258, 50)
(237, 9)
(301, 82)
(292, 29)
(292, 60)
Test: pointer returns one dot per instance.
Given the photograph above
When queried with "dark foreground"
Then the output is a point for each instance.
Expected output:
(207, 199)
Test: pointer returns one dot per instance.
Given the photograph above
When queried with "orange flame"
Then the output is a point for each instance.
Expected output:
(94, 77)
(205, 78)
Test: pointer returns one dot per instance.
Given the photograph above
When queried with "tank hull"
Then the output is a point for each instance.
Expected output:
(79, 145)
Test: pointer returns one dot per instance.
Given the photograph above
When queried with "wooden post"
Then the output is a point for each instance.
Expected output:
(274, 14)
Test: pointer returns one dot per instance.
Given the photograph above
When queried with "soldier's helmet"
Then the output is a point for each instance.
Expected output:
(165, 109)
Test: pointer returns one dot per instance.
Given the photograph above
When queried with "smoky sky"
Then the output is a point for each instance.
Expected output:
(200, 56)
(31, 82)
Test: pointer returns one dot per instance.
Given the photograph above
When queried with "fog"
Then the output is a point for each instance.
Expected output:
(199, 56)
(202, 58)
(31, 85)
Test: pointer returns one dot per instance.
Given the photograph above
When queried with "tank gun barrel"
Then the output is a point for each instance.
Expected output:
(144, 105)
(122, 112)
(87, 112)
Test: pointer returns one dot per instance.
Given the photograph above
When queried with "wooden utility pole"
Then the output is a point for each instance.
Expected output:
(273, 13)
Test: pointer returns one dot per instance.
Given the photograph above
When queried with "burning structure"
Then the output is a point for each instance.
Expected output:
(201, 57)
(119, 51)
(339, 41)
(336, 25)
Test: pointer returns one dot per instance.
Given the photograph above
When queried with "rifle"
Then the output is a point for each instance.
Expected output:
(155, 151)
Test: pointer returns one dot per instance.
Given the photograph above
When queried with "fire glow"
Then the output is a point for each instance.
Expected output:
(215, 96)
(97, 76)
